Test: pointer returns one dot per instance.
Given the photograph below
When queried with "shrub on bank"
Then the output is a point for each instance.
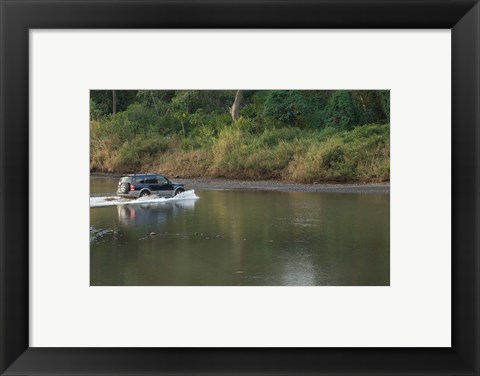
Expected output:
(241, 151)
(140, 151)
(358, 155)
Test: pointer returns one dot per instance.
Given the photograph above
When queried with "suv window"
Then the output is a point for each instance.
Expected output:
(162, 180)
(151, 180)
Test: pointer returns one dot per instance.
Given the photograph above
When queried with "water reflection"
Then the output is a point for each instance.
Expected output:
(146, 215)
(300, 272)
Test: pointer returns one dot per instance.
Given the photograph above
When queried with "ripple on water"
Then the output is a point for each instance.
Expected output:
(98, 233)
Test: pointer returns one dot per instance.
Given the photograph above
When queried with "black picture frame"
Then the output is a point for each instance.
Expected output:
(18, 16)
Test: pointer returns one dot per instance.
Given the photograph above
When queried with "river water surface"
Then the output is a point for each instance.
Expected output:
(230, 238)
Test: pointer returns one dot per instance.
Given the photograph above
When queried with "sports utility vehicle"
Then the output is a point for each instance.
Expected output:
(139, 185)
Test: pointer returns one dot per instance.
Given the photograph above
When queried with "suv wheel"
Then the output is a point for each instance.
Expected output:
(124, 187)
(145, 193)
(179, 190)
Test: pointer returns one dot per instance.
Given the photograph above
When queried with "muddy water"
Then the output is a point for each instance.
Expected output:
(239, 238)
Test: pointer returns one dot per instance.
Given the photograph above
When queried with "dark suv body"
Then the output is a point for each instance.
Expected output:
(139, 185)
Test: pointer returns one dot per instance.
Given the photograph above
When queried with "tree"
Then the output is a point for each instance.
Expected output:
(287, 106)
(104, 99)
(341, 111)
(114, 102)
(236, 105)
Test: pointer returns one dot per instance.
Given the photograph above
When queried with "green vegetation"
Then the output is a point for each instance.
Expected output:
(302, 136)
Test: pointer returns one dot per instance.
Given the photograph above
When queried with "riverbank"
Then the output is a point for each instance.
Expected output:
(360, 155)
(270, 185)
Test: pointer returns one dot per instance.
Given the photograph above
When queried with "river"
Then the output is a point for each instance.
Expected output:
(239, 238)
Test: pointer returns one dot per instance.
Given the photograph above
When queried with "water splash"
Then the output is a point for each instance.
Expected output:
(97, 202)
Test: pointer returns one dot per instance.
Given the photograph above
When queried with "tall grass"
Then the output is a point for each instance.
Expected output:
(245, 151)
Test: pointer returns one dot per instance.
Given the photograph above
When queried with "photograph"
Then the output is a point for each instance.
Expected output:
(241, 204)
(239, 187)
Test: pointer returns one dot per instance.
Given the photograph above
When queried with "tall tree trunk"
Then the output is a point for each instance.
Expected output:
(154, 104)
(114, 101)
(236, 105)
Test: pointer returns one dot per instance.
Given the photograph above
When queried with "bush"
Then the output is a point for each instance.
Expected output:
(287, 106)
(340, 111)
(138, 151)
(96, 113)
(359, 155)
(275, 136)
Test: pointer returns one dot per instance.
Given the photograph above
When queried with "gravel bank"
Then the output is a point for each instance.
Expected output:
(275, 185)
(270, 185)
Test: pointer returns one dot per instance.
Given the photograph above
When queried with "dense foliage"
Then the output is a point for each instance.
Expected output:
(305, 136)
